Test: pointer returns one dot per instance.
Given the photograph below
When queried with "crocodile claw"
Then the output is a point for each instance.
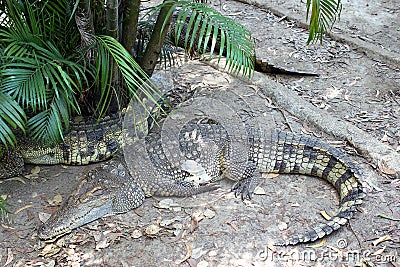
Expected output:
(208, 187)
(243, 188)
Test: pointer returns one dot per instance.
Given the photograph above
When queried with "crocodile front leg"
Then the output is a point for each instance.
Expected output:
(250, 180)
(237, 167)
(171, 187)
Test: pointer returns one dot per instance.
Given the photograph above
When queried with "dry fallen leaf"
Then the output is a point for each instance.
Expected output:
(379, 251)
(35, 170)
(197, 216)
(49, 250)
(70, 251)
(188, 254)
(208, 213)
(384, 169)
(381, 239)
(165, 203)
(259, 191)
(164, 223)
(103, 243)
(7, 227)
(232, 225)
(325, 215)
(43, 217)
(23, 208)
(332, 92)
(136, 234)
(10, 257)
(320, 244)
(282, 226)
(56, 201)
(152, 230)
(18, 179)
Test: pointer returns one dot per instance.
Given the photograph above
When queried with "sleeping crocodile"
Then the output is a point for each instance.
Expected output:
(86, 142)
(112, 188)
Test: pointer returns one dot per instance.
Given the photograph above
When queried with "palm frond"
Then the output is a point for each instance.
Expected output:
(39, 77)
(324, 14)
(48, 124)
(168, 51)
(57, 18)
(201, 29)
(133, 76)
(4, 212)
(36, 73)
(11, 116)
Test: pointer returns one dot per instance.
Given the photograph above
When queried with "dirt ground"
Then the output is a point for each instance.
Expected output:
(217, 229)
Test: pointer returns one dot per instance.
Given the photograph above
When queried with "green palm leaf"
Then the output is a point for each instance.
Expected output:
(213, 33)
(324, 14)
(4, 212)
(132, 74)
(11, 116)
(43, 81)
(35, 73)
(48, 124)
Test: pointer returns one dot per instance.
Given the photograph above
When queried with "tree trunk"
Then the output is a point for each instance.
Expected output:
(112, 18)
(84, 22)
(129, 24)
(156, 41)
(112, 30)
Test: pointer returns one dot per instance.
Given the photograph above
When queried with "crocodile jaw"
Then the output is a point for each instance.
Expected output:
(70, 217)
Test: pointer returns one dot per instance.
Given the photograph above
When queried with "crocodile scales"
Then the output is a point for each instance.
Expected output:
(87, 142)
(112, 189)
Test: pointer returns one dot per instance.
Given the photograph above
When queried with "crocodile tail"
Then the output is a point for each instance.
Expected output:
(265, 67)
(303, 155)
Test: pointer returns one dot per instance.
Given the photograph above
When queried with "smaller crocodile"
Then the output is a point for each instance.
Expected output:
(88, 141)
(111, 188)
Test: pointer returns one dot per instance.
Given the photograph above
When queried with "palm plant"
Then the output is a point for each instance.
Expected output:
(66, 57)
(4, 212)
(323, 15)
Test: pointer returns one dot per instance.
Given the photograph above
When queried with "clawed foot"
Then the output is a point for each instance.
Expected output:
(208, 187)
(245, 188)
(201, 188)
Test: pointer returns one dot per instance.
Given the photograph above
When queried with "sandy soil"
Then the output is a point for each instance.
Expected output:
(217, 229)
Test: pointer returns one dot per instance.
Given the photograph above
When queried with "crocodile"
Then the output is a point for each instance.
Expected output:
(87, 141)
(112, 188)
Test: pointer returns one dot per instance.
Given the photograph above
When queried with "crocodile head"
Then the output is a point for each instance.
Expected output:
(40, 152)
(106, 190)
(91, 200)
